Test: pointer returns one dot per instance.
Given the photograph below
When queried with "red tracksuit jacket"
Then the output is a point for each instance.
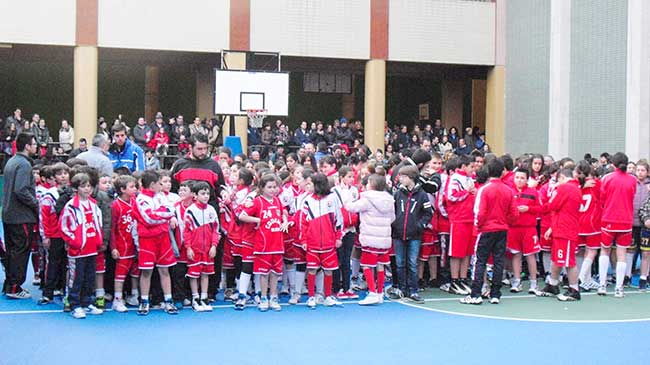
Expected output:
(528, 197)
(494, 208)
(201, 229)
(322, 222)
(81, 228)
(617, 195)
(565, 207)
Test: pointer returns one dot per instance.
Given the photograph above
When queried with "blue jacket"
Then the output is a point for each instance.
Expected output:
(131, 156)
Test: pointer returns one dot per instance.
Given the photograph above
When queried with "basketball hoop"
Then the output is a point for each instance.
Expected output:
(256, 117)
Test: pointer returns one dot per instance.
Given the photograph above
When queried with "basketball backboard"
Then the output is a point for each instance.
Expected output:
(238, 91)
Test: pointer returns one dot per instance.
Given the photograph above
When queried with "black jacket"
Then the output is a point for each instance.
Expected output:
(430, 184)
(19, 204)
(413, 212)
(207, 170)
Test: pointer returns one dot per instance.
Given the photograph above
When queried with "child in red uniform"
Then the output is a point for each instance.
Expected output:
(322, 224)
(460, 201)
(200, 241)
(152, 214)
(298, 237)
(123, 242)
(522, 236)
(270, 219)
(565, 208)
(244, 233)
(617, 196)
(81, 230)
(590, 212)
(179, 279)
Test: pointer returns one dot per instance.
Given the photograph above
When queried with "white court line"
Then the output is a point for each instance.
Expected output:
(524, 296)
(403, 302)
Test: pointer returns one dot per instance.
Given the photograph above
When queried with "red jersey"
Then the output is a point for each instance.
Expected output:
(494, 209)
(122, 226)
(244, 197)
(509, 180)
(617, 195)
(590, 210)
(322, 222)
(81, 227)
(460, 202)
(528, 197)
(545, 193)
(201, 228)
(269, 238)
(152, 212)
(49, 222)
(565, 207)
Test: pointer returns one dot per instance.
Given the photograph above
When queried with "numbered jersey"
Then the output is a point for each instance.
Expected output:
(122, 228)
(269, 238)
(590, 210)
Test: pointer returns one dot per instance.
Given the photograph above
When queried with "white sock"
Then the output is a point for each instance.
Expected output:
(546, 259)
(258, 285)
(135, 292)
(603, 266)
(118, 295)
(99, 292)
(285, 277)
(585, 270)
(553, 282)
(533, 284)
(167, 297)
(145, 298)
(629, 257)
(620, 273)
(643, 277)
(244, 281)
(299, 282)
(579, 260)
(355, 266)
(195, 295)
(204, 295)
(320, 282)
(291, 279)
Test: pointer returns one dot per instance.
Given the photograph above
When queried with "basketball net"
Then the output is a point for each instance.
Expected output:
(256, 117)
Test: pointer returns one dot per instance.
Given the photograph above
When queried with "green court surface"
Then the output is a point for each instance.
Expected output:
(522, 306)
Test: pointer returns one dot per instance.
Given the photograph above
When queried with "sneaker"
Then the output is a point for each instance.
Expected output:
(421, 284)
(571, 295)
(143, 309)
(132, 300)
(187, 302)
(626, 282)
(589, 285)
(108, 297)
(380, 296)
(79, 313)
(495, 300)
(311, 303)
(196, 305)
(565, 282)
(206, 306)
(295, 299)
(331, 301)
(618, 293)
(416, 298)
(320, 299)
(643, 285)
(370, 299)
(341, 295)
(548, 291)
(516, 286)
(446, 287)
(263, 306)
(351, 294)
(232, 297)
(395, 294)
(471, 300)
(240, 304)
(57, 293)
(458, 289)
(100, 302)
(602, 290)
(284, 291)
(36, 281)
(465, 284)
(91, 309)
(21, 294)
(170, 308)
(359, 285)
(228, 294)
(66, 305)
(485, 291)
(257, 299)
(274, 304)
(44, 301)
(118, 306)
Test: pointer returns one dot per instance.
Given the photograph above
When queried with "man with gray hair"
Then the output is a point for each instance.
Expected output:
(97, 155)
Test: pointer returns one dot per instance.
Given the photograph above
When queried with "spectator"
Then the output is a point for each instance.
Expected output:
(151, 162)
(470, 139)
(267, 135)
(301, 135)
(159, 123)
(123, 152)
(254, 138)
(141, 133)
(439, 130)
(282, 134)
(403, 139)
(19, 215)
(213, 133)
(66, 136)
(179, 129)
(102, 128)
(319, 135)
(344, 134)
(426, 144)
(453, 136)
(97, 155)
(463, 148)
(83, 147)
(160, 142)
(321, 151)
(198, 128)
(330, 135)
(42, 135)
(480, 141)
(16, 118)
(9, 137)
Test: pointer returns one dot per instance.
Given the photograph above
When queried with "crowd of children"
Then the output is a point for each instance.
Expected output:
(320, 228)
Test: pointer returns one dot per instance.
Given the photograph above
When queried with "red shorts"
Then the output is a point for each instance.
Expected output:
(246, 253)
(100, 263)
(124, 267)
(155, 251)
(263, 264)
(545, 244)
(196, 269)
(182, 254)
(444, 227)
(591, 241)
(523, 240)
(429, 251)
(370, 257)
(299, 254)
(461, 240)
(327, 260)
(429, 236)
(616, 233)
(228, 262)
(563, 252)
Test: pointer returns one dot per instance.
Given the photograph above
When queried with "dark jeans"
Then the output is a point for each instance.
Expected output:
(213, 283)
(55, 267)
(18, 241)
(180, 284)
(489, 243)
(81, 284)
(341, 278)
(406, 253)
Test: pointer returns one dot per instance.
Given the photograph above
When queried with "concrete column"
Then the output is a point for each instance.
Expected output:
(478, 103)
(495, 110)
(151, 91)
(559, 83)
(637, 111)
(205, 91)
(375, 104)
(85, 92)
(237, 61)
(452, 104)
